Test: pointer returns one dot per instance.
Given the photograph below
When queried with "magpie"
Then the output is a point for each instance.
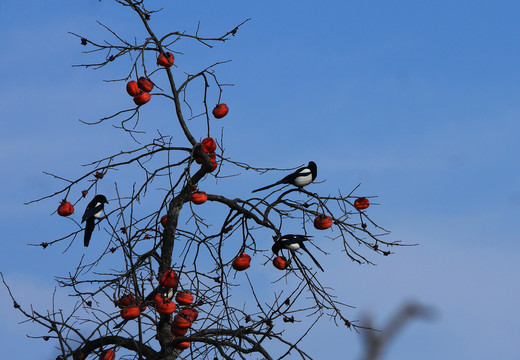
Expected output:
(293, 243)
(165, 292)
(300, 178)
(92, 212)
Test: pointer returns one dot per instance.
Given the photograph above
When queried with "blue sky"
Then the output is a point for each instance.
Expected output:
(417, 101)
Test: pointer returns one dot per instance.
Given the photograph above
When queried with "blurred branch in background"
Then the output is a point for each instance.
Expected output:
(375, 342)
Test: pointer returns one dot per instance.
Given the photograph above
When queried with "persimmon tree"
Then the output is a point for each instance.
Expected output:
(162, 224)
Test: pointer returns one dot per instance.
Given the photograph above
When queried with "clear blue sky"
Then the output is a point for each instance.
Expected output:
(416, 100)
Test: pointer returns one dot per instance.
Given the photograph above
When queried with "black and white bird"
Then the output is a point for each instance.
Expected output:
(300, 178)
(293, 243)
(92, 212)
(165, 293)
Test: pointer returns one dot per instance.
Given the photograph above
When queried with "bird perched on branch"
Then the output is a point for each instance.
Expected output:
(293, 243)
(92, 212)
(165, 293)
(300, 178)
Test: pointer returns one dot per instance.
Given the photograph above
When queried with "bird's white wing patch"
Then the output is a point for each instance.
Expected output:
(293, 246)
(98, 214)
(303, 179)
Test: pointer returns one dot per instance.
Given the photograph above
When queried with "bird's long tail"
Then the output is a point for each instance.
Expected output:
(117, 326)
(267, 187)
(152, 294)
(313, 258)
(89, 228)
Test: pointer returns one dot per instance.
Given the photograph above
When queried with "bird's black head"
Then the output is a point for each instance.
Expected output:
(277, 246)
(100, 199)
(314, 169)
